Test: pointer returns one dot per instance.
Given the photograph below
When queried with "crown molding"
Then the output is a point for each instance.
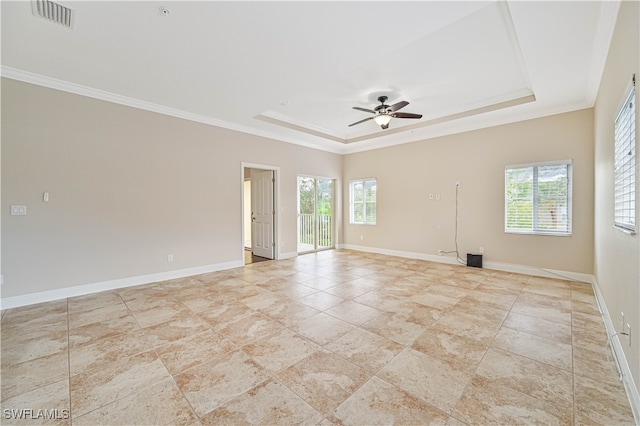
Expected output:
(433, 128)
(604, 34)
(77, 89)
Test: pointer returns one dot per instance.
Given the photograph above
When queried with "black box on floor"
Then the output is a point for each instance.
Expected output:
(474, 260)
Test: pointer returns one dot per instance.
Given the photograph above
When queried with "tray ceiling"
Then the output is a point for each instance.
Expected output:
(292, 71)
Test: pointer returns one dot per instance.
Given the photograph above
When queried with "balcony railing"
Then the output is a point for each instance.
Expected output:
(307, 231)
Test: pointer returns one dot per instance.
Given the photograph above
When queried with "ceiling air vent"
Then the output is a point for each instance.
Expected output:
(53, 12)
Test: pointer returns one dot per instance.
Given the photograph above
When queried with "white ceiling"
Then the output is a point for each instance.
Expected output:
(293, 70)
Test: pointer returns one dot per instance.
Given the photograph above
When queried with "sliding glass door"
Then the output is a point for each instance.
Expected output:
(315, 214)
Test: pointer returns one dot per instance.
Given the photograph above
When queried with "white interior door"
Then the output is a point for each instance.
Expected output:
(262, 213)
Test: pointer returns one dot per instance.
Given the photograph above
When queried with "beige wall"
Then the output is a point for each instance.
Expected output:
(617, 254)
(408, 220)
(127, 187)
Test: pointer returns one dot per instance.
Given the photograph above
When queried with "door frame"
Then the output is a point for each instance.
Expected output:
(334, 233)
(276, 205)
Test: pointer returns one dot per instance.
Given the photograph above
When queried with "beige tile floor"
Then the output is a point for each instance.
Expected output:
(337, 337)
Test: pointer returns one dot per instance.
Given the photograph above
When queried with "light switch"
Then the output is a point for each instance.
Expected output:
(18, 210)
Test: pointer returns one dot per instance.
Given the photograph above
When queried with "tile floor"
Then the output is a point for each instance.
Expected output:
(337, 337)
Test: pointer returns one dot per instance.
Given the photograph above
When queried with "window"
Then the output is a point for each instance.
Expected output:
(625, 165)
(538, 198)
(362, 200)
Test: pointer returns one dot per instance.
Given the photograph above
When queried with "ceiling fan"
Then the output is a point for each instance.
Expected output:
(384, 113)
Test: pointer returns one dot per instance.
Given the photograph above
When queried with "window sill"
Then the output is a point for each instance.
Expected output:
(548, 234)
(624, 230)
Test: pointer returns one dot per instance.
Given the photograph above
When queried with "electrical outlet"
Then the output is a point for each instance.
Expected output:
(481, 250)
(440, 252)
(18, 210)
(170, 258)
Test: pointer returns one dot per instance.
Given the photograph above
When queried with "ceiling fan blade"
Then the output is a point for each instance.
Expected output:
(406, 115)
(365, 110)
(361, 121)
(397, 106)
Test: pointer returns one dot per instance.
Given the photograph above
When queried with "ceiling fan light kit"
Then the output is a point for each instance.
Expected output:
(384, 113)
(382, 119)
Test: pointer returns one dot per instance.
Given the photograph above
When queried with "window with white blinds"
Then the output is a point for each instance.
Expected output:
(625, 165)
(538, 198)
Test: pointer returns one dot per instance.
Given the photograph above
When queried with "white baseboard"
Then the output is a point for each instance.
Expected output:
(619, 355)
(499, 266)
(80, 290)
(625, 370)
(399, 253)
(288, 255)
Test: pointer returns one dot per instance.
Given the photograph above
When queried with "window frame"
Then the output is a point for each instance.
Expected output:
(352, 202)
(535, 197)
(626, 209)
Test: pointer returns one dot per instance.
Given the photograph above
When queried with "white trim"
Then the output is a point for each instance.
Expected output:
(374, 141)
(625, 97)
(545, 233)
(467, 124)
(398, 253)
(498, 266)
(568, 161)
(628, 176)
(90, 92)
(625, 370)
(334, 188)
(623, 365)
(535, 227)
(77, 89)
(619, 355)
(507, 20)
(305, 126)
(288, 255)
(80, 290)
(362, 179)
(606, 25)
(539, 272)
(364, 202)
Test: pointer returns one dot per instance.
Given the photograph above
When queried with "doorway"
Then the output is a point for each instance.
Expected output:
(315, 214)
(259, 240)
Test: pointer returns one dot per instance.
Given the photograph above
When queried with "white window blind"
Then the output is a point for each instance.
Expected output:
(625, 165)
(362, 196)
(538, 198)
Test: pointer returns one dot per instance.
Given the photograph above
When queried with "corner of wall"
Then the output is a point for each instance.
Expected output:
(619, 355)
